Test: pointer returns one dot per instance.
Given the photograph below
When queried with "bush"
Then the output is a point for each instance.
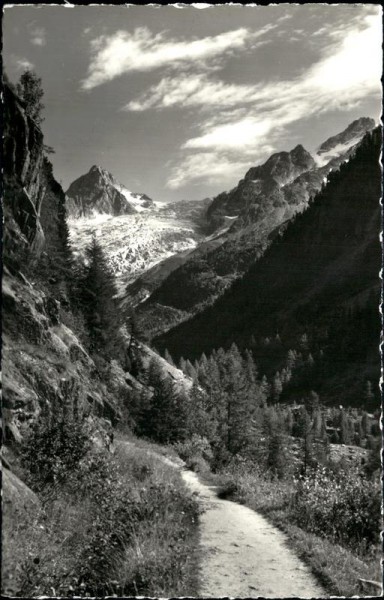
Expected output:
(117, 524)
(343, 506)
(57, 440)
(195, 450)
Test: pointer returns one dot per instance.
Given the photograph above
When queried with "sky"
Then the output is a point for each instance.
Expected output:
(179, 103)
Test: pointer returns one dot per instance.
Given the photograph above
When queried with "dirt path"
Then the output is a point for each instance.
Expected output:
(244, 555)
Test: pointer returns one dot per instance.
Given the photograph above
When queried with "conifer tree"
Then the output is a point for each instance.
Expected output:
(344, 428)
(165, 419)
(265, 388)
(289, 422)
(277, 387)
(30, 90)
(102, 316)
(291, 359)
(190, 370)
(276, 459)
(312, 402)
(168, 357)
(368, 394)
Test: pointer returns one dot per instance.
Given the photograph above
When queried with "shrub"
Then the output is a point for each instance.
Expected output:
(341, 505)
(57, 440)
(196, 448)
(117, 524)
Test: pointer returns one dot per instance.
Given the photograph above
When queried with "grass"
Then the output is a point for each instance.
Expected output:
(125, 525)
(336, 567)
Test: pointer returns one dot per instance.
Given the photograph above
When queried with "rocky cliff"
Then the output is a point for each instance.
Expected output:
(97, 192)
(261, 185)
(24, 183)
(45, 356)
(319, 278)
(244, 222)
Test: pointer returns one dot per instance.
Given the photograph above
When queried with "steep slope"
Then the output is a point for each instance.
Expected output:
(245, 221)
(338, 144)
(43, 339)
(261, 185)
(97, 192)
(324, 265)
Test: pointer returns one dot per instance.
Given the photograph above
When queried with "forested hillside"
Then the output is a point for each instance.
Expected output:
(243, 222)
(318, 281)
(76, 374)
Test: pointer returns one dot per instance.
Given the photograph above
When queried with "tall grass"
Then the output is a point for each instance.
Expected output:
(121, 524)
(331, 517)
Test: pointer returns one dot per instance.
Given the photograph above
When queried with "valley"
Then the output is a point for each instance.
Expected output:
(190, 326)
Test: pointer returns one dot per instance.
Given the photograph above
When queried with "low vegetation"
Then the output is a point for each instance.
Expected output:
(108, 524)
(331, 517)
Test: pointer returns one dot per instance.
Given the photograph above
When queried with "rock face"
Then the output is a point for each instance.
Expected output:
(43, 355)
(97, 192)
(320, 277)
(337, 144)
(24, 182)
(286, 179)
(244, 222)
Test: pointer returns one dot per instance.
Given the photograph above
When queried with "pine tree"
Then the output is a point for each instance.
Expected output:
(276, 458)
(368, 394)
(102, 316)
(344, 428)
(365, 425)
(190, 370)
(200, 420)
(168, 357)
(291, 359)
(165, 419)
(277, 387)
(289, 422)
(239, 405)
(312, 402)
(265, 388)
(30, 90)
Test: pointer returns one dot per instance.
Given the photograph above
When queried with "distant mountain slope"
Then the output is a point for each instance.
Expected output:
(261, 184)
(97, 192)
(340, 143)
(326, 262)
(244, 221)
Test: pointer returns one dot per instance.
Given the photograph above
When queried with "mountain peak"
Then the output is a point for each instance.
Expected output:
(98, 169)
(299, 149)
(347, 138)
(98, 192)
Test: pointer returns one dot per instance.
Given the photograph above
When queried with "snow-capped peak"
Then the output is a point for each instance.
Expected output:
(341, 143)
(98, 192)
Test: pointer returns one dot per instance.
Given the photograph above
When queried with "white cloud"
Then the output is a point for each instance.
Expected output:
(345, 75)
(208, 166)
(125, 52)
(22, 64)
(244, 134)
(192, 90)
(232, 139)
(354, 66)
(38, 35)
(349, 70)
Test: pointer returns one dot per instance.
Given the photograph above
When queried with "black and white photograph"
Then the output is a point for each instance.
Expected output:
(191, 291)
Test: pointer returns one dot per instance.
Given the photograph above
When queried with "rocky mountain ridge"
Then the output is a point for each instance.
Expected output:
(319, 278)
(337, 144)
(243, 223)
(98, 192)
(44, 350)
